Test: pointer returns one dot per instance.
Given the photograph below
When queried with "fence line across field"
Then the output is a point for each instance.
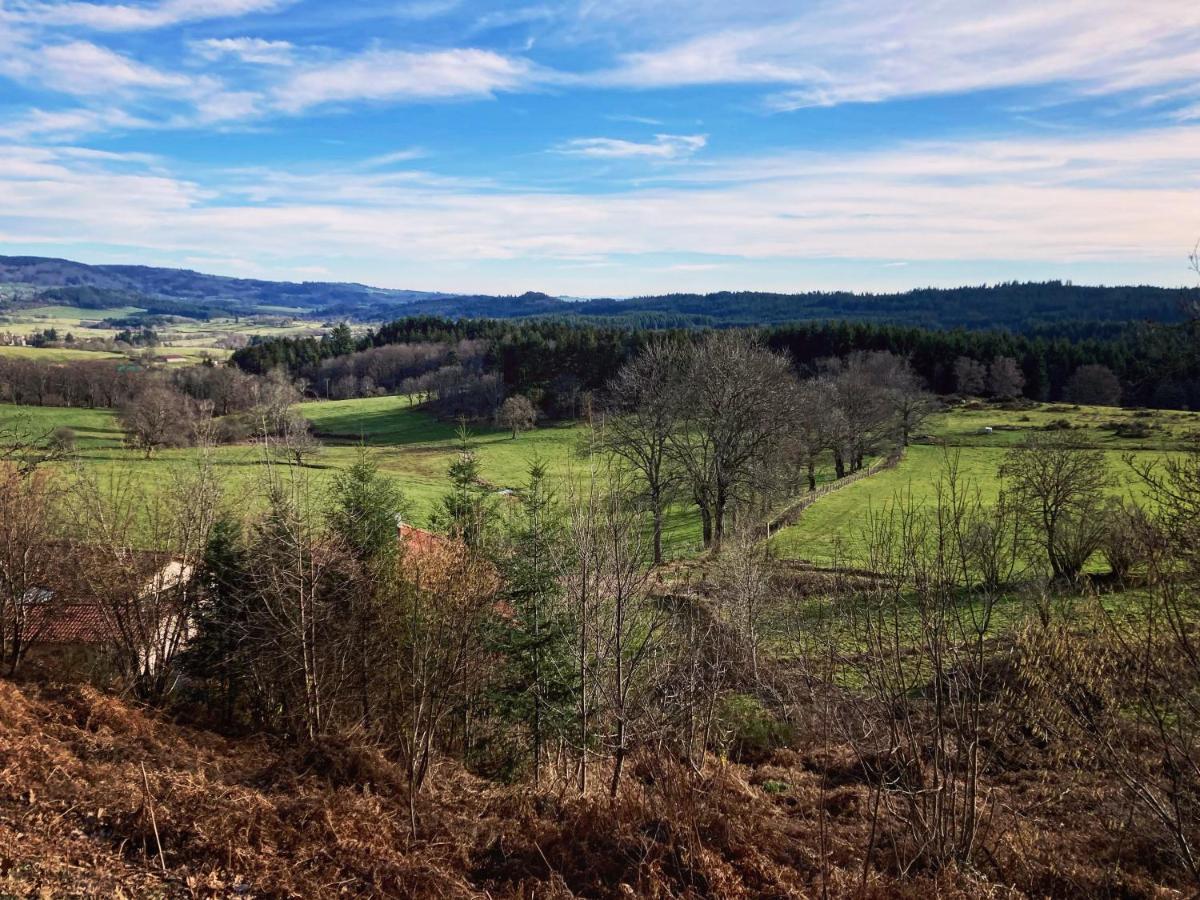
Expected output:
(790, 515)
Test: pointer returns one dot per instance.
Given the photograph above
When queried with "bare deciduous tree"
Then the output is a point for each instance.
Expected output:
(642, 416)
(158, 417)
(862, 381)
(30, 560)
(516, 414)
(1005, 378)
(1060, 486)
(925, 725)
(1094, 385)
(295, 440)
(819, 424)
(735, 400)
(1126, 692)
(142, 550)
(970, 376)
(433, 615)
(743, 574)
(618, 623)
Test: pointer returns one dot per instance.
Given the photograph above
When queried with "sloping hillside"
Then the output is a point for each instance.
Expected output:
(186, 286)
(1017, 306)
(245, 818)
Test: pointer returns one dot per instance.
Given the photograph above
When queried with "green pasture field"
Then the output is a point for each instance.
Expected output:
(415, 448)
(184, 337)
(80, 322)
(74, 314)
(832, 530)
(420, 448)
(409, 445)
(56, 354)
(964, 426)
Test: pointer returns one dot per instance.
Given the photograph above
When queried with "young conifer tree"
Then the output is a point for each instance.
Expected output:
(537, 685)
(466, 511)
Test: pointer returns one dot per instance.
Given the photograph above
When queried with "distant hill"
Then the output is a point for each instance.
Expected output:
(1018, 306)
(53, 279)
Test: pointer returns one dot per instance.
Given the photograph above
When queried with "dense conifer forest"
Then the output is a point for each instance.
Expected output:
(1157, 365)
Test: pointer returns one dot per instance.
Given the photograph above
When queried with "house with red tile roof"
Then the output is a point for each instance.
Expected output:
(67, 627)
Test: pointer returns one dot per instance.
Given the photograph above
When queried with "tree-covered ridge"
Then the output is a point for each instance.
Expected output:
(1157, 365)
(1015, 305)
(1018, 306)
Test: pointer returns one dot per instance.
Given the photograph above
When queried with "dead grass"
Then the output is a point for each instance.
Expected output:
(246, 818)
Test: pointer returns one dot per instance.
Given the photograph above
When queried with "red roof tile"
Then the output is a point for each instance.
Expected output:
(69, 623)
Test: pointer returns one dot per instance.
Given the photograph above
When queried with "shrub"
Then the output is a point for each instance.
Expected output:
(750, 731)
(1134, 430)
(235, 428)
(63, 439)
(1121, 545)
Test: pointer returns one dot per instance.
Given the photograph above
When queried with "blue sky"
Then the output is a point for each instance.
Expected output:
(607, 148)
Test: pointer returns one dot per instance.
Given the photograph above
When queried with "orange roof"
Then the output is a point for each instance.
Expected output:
(420, 540)
(69, 623)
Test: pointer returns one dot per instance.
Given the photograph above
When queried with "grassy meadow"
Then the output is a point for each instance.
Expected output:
(409, 445)
(56, 354)
(832, 529)
(194, 339)
(415, 449)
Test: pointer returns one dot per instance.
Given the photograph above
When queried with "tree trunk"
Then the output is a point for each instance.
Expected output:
(618, 758)
(656, 503)
(719, 508)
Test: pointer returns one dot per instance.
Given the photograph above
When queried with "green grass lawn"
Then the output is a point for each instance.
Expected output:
(56, 354)
(408, 444)
(415, 449)
(832, 529)
(418, 449)
(95, 429)
(964, 426)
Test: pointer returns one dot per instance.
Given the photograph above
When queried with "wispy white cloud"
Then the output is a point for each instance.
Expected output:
(664, 146)
(139, 17)
(70, 124)
(120, 92)
(394, 75)
(138, 94)
(507, 18)
(383, 160)
(247, 49)
(84, 68)
(637, 120)
(420, 10)
(870, 50)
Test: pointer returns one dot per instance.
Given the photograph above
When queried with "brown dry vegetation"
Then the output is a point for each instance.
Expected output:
(246, 818)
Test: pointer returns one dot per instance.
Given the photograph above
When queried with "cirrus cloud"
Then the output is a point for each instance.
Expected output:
(664, 146)
(870, 50)
(247, 49)
(139, 17)
(396, 75)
